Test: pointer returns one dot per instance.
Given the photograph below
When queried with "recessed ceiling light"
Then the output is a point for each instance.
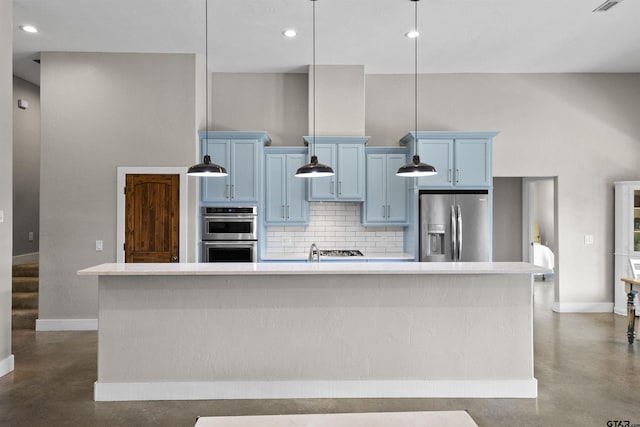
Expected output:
(28, 28)
(412, 34)
(289, 33)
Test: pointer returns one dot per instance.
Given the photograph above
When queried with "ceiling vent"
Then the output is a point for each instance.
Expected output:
(606, 5)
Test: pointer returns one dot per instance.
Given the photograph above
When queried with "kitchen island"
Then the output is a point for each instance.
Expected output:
(303, 330)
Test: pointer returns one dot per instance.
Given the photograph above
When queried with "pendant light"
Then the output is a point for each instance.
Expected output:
(415, 168)
(314, 169)
(207, 168)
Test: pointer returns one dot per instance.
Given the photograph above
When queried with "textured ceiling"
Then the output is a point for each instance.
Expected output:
(458, 36)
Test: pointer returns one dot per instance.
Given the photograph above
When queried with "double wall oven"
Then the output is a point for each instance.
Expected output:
(229, 234)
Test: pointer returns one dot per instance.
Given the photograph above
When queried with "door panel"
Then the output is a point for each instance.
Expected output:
(435, 227)
(244, 172)
(438, 153)
(324, 188)
(472, 162)
(475, 226)
(376, 201)
(396, 189)
(275, 169)
(152, 218)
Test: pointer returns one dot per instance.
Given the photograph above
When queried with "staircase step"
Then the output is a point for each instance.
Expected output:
(25, 300)
(25, 284)
(26, 270)
(24, 318)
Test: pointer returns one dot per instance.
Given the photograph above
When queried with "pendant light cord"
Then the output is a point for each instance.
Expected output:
(314, 75)
(206, 69)
(415, 74)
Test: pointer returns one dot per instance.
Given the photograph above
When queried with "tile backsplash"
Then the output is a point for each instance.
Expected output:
(335, 225)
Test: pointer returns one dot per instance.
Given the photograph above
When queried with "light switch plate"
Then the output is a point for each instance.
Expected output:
(99, 245)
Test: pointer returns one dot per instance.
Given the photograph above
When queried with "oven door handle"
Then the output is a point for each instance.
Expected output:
(229, 219)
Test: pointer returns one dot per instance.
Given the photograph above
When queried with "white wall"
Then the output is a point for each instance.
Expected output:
(583, 128)
(276, 103)
(101, 111)
(339, 100)
(507, 219)
(26, 167)
(6, 178)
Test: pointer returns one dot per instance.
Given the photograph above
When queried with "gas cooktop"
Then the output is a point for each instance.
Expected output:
(340, 252)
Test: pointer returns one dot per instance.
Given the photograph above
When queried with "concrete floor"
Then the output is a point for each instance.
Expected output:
(587, 376)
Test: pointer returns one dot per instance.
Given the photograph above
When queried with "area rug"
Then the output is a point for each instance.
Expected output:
(371, 419)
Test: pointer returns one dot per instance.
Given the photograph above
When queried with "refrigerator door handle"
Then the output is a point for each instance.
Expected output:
(454, 234)
(459, 215)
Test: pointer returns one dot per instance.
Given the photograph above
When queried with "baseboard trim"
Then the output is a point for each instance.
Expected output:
(104, 391)
(43, 325)
(31, 258)
(6, 366)
(583, 307)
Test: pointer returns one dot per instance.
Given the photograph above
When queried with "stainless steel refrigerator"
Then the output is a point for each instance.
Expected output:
(454, 226)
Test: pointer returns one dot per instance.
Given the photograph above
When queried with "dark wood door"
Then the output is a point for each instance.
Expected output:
(152, 218)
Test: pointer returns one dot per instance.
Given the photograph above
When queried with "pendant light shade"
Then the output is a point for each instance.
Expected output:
(206, 168)
(314, 169)
(415, 168)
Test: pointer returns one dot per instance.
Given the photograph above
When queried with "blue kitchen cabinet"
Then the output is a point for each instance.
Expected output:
(285, 194)
(462, 159)
(241, 154)
(473, 163)
(324, 188)
(346, 156)
(438, 153)
(386, 193)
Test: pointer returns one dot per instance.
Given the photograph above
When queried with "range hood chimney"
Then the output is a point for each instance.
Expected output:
(339, 100)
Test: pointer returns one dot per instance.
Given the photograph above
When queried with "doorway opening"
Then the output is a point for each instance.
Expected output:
(525, 221)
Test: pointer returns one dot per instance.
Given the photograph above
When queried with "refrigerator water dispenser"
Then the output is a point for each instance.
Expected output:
(436, 239)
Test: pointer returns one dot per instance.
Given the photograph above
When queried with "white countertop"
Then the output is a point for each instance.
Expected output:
(284, 268)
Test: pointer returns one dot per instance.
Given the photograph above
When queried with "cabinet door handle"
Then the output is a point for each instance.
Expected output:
(339, 188)
(288, 209)
(457, 175)
(384, 211)
(332, 185)
(282, 210)
(449, 175)
(388, 211)
(227, 194)
(233, 191)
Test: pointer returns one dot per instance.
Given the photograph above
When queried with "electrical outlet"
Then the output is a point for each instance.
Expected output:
(1, 216)
(31, 236)
(98, 245)
(588, 239)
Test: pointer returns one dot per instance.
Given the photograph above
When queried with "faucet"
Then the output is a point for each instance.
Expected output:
(317, 251)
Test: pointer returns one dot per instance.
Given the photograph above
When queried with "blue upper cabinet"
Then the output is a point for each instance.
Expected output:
(345, 154)
(462, 159)
(241, 154)
(286, 195)
(386, 200)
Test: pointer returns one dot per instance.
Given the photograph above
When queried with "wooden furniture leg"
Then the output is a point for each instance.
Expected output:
(629, 284)
(631, 314)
